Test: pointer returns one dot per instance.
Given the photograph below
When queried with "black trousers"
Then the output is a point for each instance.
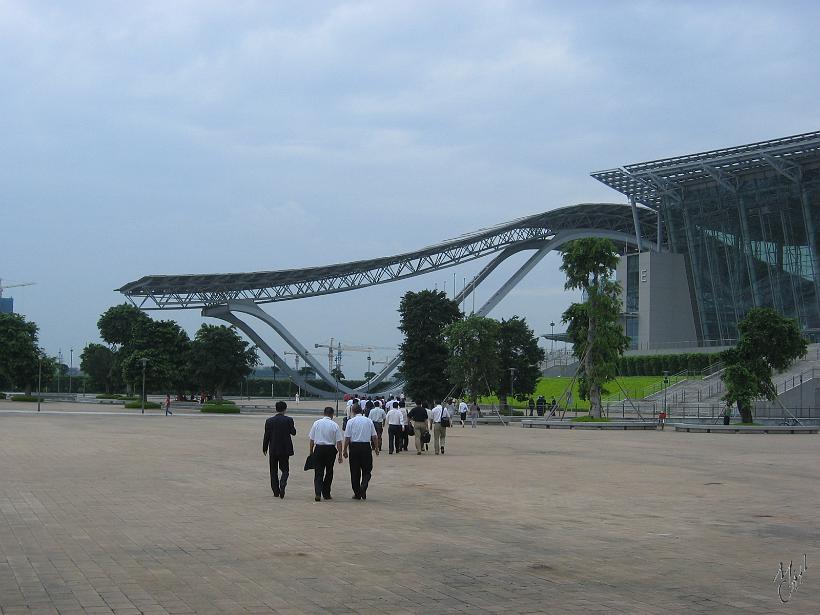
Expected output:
(361, 466)
(395, 435)
(405, 437)
(278, 463)
(324, 455)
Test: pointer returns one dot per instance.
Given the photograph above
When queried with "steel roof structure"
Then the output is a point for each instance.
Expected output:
(157, 292)
(649, 182)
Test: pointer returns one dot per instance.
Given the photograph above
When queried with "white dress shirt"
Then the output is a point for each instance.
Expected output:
(394, 417)
(437, 412)
(362, 404)
(360, 429)
(325, 431)
(376, 415)
(462, 408)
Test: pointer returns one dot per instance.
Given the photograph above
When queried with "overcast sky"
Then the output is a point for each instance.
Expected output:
(198, 136)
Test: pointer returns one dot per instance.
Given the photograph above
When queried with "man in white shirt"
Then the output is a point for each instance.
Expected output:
(462, 411)
(361, 441)
(437, 415)
(325, 443)
(378, 416)
(395, 429)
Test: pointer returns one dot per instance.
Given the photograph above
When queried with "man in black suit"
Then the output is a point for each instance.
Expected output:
(278, 431)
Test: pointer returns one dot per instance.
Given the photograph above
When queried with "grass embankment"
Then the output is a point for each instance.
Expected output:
(635, 386)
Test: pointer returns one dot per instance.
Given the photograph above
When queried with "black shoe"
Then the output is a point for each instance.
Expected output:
(282, 494)
(276, 493)
(327, 497)
(356, 497)
(317, 498)
(442, 450)
(364, 496)
(418, 452)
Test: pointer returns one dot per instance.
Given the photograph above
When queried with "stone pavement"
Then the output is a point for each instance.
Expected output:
(120, 513)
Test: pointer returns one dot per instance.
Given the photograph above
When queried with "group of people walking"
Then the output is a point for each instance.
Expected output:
(358, 440)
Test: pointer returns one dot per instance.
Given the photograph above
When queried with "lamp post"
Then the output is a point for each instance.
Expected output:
(552, 336)
(39, 378)
(59, 367)
(512, 371)
(665, 384)
(142, 401)
(70, 368)
(368, 367)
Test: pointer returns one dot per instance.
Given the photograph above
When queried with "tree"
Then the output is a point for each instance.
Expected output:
(116, 324)
(97, 361)
(337, 373)
(424, 315)
(592, 326)
(219, 356)
(768, 341)
(518, 348)
(369, 375)
(307, 372)
(474, 359)
(166, 346)
(19, 352)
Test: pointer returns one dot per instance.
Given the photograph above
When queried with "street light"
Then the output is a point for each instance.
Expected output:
(552, 336)
(143, 360)
(70, 368)
(59, 367)
(512, 375)
(665, 384)
(39, 378)
(367, 375)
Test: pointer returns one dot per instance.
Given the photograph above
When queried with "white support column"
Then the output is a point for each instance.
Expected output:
(637, 222)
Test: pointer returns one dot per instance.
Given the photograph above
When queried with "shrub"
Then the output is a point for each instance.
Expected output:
(220, 402)
(212, 408)
(2, 396)
(589, 419)
(149, 405)
(24, 398)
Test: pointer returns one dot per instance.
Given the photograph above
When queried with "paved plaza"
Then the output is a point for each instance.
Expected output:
(121, 513)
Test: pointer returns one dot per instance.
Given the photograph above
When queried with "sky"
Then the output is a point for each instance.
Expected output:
(200, 136)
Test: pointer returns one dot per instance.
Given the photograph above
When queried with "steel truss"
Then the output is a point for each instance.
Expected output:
(227, 311)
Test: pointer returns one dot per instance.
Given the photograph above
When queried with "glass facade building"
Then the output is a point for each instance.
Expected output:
(746, 220)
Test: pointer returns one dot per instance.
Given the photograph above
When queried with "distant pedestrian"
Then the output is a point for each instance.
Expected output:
(168, 404)
(531, 405)
(462, 411)
(395, 430)
(439, 421)
(405, 434)
(378, 416)
(325, 444)
(359, 444)
(475, 412)
(418, 414)
(540, 405)
(278, 431)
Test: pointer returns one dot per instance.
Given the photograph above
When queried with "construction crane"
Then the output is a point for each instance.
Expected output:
(339, 347)
(16, 285)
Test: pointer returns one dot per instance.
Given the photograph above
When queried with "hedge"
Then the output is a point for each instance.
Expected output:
(655, 365)
(149, 405)
(220, 409)
(24, 398)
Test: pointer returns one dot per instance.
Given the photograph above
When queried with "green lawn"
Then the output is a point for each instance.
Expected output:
(556, 386)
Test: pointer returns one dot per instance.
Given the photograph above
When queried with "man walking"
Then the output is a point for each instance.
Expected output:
(418, 414)
(439, 421)
(278, 431)
(377, 415)
(462, 411)
(395, 430)
(325, 444)
(360, 443)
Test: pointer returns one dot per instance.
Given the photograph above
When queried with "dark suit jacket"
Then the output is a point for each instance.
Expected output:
(278, 430)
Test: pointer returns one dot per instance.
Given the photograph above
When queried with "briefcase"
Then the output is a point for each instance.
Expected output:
(309, 463)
